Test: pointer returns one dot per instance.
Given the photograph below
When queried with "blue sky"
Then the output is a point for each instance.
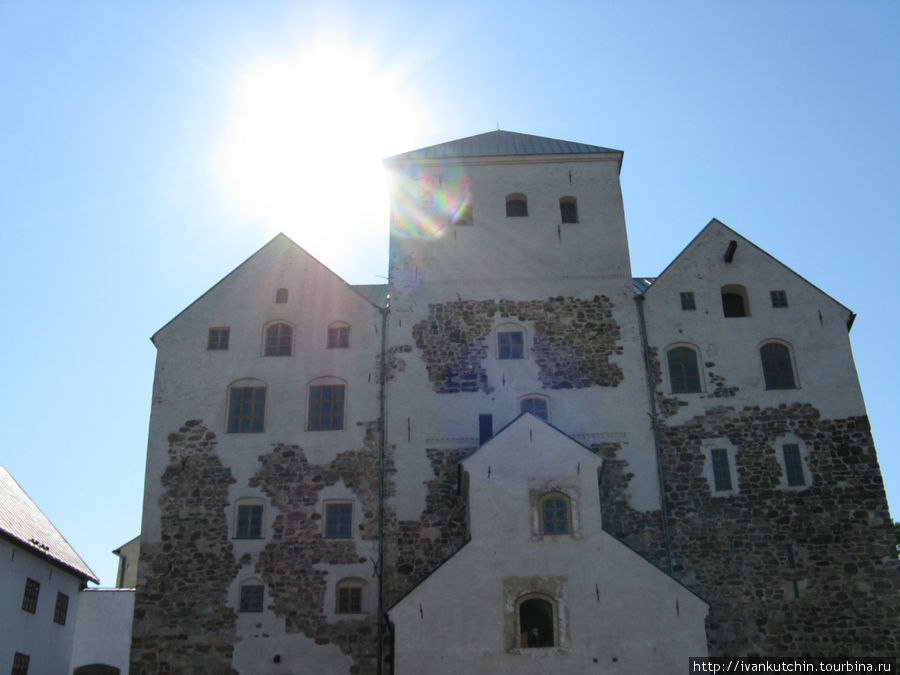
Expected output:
(778, 118)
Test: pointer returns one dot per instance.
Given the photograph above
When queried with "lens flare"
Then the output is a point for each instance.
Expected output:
(427, 201)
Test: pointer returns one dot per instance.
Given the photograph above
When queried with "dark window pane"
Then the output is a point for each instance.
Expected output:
(516, 208)
(30, 597)
(249, 525)
(511, 345)
(793, 465)
(536, 623)
(777, 368)
(326, 407)
(687, 301)
(251, 598)
(278, 340)
(733, 305)
(779, 298)
(684, 372)
(721, 472)
(218, 339)
(61, 609)
(568, 212)
(338, 521)
(246, 409)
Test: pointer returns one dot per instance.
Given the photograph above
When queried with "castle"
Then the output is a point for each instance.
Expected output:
(514, 457)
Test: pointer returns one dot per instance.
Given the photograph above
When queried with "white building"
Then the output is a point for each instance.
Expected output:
(313, 459)
(41, 578)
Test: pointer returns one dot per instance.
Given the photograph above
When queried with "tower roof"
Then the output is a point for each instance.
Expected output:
(496, 143)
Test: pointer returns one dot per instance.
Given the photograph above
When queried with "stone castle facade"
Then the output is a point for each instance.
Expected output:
(513, 438)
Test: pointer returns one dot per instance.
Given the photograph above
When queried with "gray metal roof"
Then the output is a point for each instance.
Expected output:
(500, 143)
(641, 284)
(22, 521)
(376, 293)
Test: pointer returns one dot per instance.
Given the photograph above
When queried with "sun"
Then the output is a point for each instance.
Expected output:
(303, 149)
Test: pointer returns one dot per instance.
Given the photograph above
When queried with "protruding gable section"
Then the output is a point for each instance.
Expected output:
(720, 256)
(535, 461)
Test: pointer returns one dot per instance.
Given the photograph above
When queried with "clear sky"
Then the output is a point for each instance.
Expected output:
(146, 149)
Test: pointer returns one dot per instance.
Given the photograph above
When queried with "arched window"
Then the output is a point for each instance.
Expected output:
(684, 373)
(246, 407)
(568, 209)
(777, 367)
(349, 596)
(538, 406)
(537, 621)
(281, 295)
(516, 205)
(339, 335)
(279, 337)
(555, 513)
(734, 301)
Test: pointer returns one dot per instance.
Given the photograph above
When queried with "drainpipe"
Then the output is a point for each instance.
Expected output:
(381, 436)
(654, 417)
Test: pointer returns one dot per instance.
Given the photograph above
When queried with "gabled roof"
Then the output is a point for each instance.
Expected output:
(24, 523)
(527, 416)
(497, 143)
(715, 222)
(282, 240)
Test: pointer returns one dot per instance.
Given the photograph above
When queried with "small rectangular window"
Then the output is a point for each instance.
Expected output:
(779, 298)
(568, 212)
(338, 521)
(536, 406)
(20, 664)
(793, 465)
(687, 301)
(218, 339)
(281, 295)
(30, 598)
(721, 472)
(251, 598)
(326, 407)
(249, 521)
(349, 600)
(339, 337)
(61, 609)
(511, 345)
(485, 428)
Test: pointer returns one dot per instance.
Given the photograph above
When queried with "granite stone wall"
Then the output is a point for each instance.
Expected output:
(182, 622)
(572, 344)
(787, 570)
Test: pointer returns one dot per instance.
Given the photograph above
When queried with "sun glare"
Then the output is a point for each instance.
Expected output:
(304, 146)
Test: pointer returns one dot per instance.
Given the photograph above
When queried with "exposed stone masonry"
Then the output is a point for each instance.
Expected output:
(295, 588)
(572, 343)
(733, 550)
(182, 621)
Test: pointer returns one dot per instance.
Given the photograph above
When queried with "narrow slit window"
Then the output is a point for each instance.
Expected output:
(721, 470)
(793, 465)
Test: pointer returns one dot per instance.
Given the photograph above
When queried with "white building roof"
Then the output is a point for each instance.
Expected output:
(24, 523)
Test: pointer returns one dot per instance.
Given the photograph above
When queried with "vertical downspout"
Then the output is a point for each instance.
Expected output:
(381, 436)
(654, 416)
